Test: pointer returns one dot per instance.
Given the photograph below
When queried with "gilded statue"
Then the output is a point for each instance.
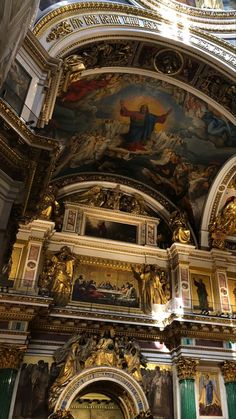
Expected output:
(70, 358)
(49, 205)
(106, 351)
(134, 359)
(179, 226)
(150, 286)
(86, 351)
(57, 276)
(224, 224)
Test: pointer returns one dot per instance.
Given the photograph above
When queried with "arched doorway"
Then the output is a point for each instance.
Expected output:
(116, 386)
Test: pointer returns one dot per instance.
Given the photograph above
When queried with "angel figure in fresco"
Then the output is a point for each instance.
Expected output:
(142, 124)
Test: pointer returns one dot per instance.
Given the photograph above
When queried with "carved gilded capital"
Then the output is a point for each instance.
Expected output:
(11, 356)
(228, 369)
(186, 368)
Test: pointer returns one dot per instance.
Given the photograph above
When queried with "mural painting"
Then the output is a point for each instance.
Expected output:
(100, 284)
(110, 230)
(34, 383)
(232, 293)
(145, 129)
(202, 298)
(16, 86)
(209, 394)
(158, 386)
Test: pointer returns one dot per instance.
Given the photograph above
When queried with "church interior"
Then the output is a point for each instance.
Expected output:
(117, 209)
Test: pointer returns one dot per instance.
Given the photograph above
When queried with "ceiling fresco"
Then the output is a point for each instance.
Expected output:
(143, 129)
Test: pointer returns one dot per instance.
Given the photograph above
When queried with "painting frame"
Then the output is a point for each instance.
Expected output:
(201, 291)
(105, 283)
(16, 87)
(208, 393)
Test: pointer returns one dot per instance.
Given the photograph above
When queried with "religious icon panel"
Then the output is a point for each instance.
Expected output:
(202, 297)
(209, 400)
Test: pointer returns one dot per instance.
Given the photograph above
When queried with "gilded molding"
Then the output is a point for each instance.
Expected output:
(70, 9)
(19, 126)
(11, 356)
(220, 193)
(228, 369)
(186, 368)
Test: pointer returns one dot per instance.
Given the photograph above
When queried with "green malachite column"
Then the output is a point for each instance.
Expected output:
(186, 371)
(7, 381)
(10, 359)
(228, 369)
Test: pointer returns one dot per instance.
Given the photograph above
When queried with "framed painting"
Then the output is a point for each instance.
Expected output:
(98, 283)
(208, 391)
(232, 293)
(16, 87)
(202, 297)
(112, 230)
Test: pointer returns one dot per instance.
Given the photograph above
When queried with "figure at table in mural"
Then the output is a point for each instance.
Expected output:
(142, 124)
(202, 294)
(209, 399)
(150, 285)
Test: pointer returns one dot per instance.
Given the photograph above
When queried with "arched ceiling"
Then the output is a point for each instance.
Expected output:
(174, 145)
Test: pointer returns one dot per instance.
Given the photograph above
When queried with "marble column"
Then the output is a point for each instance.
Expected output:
(10, 360)
(186, 371)
(228, 369)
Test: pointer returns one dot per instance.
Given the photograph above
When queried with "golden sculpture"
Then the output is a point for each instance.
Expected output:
(11, 356)
(150, 286)
(224, 224)
(228, 369)
(49, 206)
(83, 351)
(186, 368)
(56, 278)
(178, 224)
(134, 360)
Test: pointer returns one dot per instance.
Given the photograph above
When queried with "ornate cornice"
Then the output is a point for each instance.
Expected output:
(11, 356)
(25, 133)
(199, 16)
(228, 369)
(186, 368)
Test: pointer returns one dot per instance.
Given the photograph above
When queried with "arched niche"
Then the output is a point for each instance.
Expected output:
(131, 397)
(217, 196)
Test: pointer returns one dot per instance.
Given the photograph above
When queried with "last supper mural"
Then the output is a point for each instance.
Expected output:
(144, 129)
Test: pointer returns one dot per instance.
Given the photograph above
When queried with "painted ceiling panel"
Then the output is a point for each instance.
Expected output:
(146, 130)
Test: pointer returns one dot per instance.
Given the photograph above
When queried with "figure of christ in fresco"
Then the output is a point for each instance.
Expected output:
(142, 124)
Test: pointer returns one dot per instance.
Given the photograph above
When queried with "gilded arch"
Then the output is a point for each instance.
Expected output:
(217, 197)
(133, 394)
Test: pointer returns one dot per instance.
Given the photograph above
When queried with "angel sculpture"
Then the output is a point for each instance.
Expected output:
(224, 224)
(179, 225)
(95, 196)
(71, 359)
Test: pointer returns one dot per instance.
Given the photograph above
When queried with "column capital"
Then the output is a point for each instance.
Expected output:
(228, 369)
(11, 356)
(186, 368)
